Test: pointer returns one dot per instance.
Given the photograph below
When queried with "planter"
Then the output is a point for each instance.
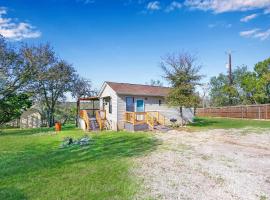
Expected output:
(58, 126)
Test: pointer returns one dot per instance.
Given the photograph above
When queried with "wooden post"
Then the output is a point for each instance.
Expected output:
(77, 111)
(246, 112)
(259, 112)
(266, 113)
(242, 112)
(134, 120)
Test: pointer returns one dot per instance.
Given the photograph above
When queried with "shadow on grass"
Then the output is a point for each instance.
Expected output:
(104, 146)
(31, 131)
(199, 122)
(7, 193)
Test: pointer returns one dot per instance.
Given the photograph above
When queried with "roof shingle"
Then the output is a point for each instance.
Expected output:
(139, 90)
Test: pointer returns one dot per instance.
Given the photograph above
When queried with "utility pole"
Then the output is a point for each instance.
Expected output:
(230, 68)
(229, 65)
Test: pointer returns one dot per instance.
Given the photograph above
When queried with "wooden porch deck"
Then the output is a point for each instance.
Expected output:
(151, 118)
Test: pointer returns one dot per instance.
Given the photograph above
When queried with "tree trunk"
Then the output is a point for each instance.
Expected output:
(51, 117)
(64, 121)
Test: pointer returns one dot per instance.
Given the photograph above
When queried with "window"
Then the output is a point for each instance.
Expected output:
(159, 102)
(139, 105)
(110, 106)
(129, 104)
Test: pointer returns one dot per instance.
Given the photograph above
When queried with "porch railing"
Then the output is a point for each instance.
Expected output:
(135, 117)
(85, 117)
(151, 118)
(161, 119)
(101, 118)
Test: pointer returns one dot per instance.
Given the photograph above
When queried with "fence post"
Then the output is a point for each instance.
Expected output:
(266, 117)
(242, 112)
(266, 113)
(259, 112)
(134, 118)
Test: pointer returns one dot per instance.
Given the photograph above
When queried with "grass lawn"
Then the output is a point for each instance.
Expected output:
(32, 166)
(226, 123)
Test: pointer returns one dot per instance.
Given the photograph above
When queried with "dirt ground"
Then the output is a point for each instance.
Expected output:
(215, 164)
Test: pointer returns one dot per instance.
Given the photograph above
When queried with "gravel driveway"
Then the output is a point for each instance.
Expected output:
(215, 164)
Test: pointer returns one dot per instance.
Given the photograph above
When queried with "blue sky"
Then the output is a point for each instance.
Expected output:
(124, 40)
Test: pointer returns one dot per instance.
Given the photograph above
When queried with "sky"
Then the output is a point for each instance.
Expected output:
(124, 40)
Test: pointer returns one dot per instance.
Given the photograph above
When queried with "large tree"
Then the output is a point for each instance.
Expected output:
(182, 72)
(256, 85)
(249, 87)
(154, 82)
(82, 88)
(15, 76)
(54, 78)
(224, 94)
(12, 106)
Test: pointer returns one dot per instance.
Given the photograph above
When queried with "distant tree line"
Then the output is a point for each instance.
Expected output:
(35, 75)
(249, 87)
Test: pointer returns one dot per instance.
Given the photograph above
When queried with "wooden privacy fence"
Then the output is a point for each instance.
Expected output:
(261, 111)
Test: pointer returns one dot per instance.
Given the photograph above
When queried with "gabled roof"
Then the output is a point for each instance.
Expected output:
(138, 89)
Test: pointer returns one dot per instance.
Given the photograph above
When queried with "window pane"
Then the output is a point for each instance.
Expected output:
(129, 104)
(110, 106)
(140, 106)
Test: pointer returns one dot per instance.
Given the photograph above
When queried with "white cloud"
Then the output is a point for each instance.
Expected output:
(249, 33)
(153, 5)
(86, 1)
(256, 33)
(219, 6)
(263, 35)
(267, 11)
(173, 6)
(220, 25)
(16, 31)
(249, 17)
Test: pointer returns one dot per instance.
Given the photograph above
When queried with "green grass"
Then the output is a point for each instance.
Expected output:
(32, 166)
(226, 123)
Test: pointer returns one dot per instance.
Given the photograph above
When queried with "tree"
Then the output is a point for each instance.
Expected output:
(81, 88)
(15, 76)
(54, 77)
(155, 83)
(12, 106)
(256, 84)
(65, 112)
(224, 94)
(182, 72)
(204, 96)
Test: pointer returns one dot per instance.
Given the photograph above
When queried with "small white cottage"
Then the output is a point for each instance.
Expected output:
(136, 107)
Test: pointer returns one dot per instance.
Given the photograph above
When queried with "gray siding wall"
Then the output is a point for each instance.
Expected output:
(152, 104)
(112, 118)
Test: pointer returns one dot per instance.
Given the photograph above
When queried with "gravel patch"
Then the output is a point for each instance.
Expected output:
(215, 164)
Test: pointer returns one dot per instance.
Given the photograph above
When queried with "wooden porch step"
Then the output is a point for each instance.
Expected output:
(161, 128)
(93, 124)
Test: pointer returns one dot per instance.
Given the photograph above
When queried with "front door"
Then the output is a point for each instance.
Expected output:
(139, 105)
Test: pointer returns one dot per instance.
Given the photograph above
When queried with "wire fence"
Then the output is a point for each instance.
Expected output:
(261, 111)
